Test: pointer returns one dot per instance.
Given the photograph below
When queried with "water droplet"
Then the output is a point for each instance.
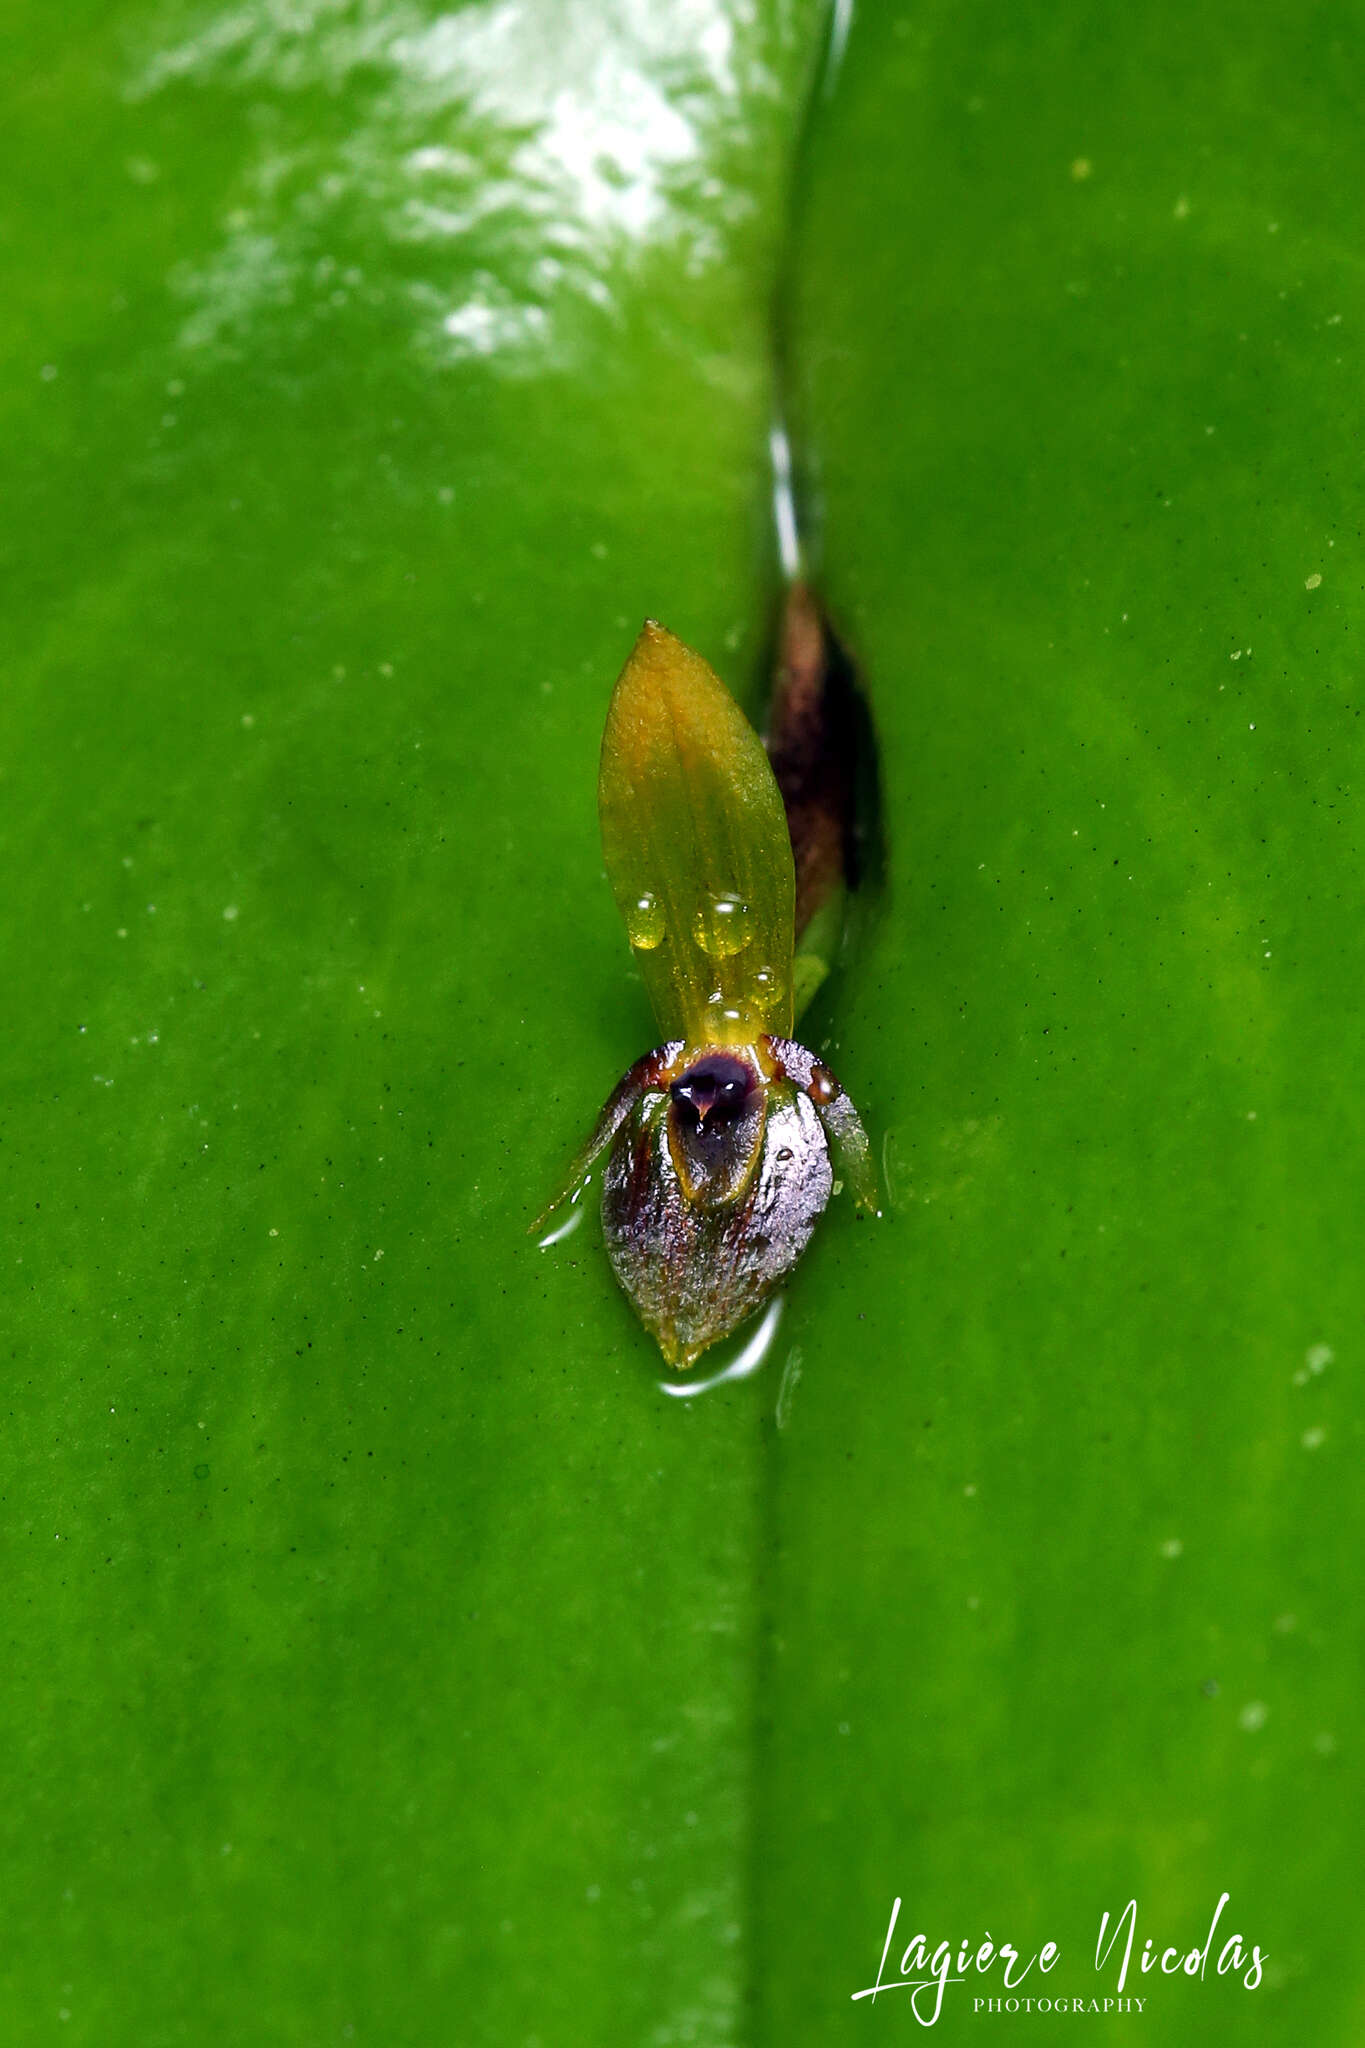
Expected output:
(567, 1225)
(645, 922)
(723, 926)
(743, 1356)
(726, 1016)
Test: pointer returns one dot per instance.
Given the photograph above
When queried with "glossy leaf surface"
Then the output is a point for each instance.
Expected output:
(385, 1657)
(377, 1637)
(697, 849)
(1067, 1501)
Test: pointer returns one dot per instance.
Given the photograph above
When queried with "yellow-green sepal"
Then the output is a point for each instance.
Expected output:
(697, 849)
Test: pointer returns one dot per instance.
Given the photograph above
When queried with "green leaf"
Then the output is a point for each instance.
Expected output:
(1067, 1491)
(385, 1656)
(378, 1636)
(697, 849)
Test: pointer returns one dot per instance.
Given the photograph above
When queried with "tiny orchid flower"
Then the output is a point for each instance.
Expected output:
(719, 1140)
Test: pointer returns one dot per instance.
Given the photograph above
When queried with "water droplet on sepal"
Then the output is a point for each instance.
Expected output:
(723, 926)
(645, 922)
(724, 1012)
